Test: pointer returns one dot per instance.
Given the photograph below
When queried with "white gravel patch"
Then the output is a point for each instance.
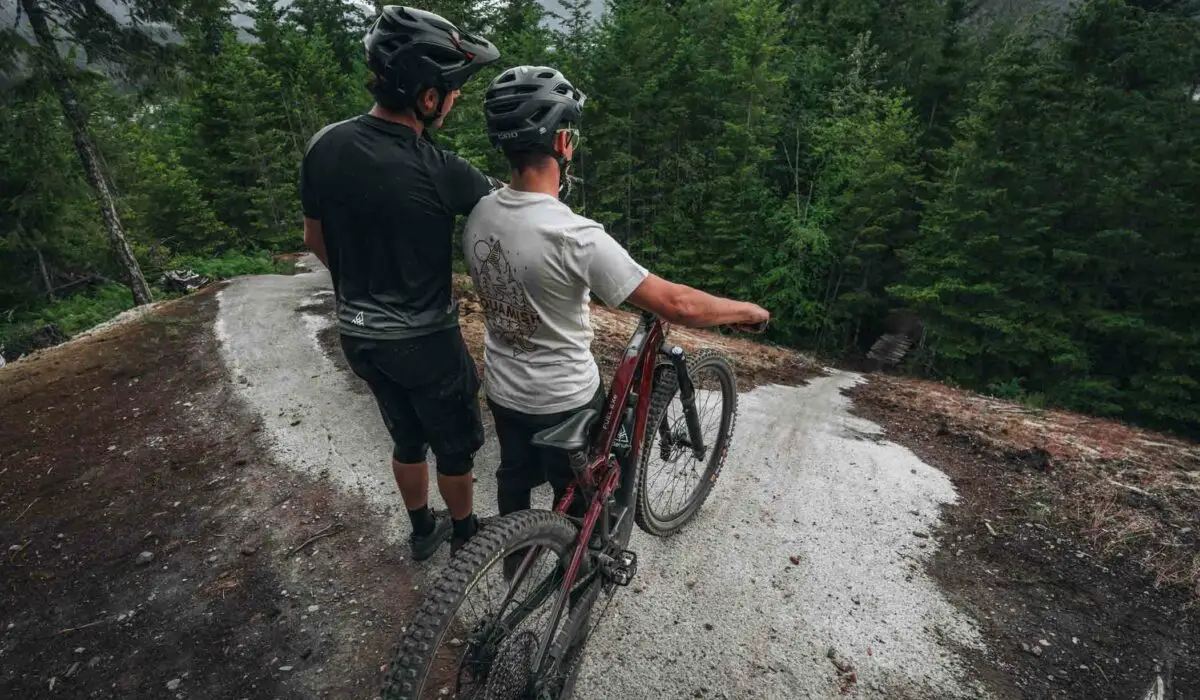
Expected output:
(803, 478)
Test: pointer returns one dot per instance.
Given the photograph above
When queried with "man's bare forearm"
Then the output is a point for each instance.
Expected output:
(314, 238)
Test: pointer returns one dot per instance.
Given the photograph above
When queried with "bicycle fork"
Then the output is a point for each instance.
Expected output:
(687, 396)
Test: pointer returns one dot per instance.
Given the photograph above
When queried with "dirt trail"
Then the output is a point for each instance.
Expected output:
(149, 540)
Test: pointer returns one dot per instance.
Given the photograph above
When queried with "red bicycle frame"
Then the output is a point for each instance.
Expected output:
(602, 473)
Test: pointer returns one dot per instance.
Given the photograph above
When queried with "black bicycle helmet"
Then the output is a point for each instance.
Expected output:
(524, 106)
(409, 50)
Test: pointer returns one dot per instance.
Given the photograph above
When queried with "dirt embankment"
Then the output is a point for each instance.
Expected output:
(151, 549)
(1074, 541)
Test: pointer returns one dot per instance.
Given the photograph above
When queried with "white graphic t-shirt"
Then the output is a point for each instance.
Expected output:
(533, 262)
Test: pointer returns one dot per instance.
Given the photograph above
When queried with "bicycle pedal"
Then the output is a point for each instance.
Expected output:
(624, 568)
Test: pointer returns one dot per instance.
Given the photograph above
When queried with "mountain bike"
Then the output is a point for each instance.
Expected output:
(452, 649)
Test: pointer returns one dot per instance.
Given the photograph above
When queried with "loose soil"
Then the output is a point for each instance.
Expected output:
(128, 445)
(1081, 586)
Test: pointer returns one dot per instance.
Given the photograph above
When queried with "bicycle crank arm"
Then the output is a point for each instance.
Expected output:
(687, 396)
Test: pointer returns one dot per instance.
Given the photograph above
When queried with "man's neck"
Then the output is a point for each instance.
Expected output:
(543, 179)
(407, 118)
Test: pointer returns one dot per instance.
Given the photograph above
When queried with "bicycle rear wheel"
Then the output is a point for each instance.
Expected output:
(673, 481)
(453, 650)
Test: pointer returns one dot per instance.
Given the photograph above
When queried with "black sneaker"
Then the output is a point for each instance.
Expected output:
(424, 546)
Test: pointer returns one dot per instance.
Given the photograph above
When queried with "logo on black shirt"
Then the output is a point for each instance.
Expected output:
(506, 305)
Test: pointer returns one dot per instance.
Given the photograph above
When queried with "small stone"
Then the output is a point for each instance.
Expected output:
(173, 684)
(795, 559)
(708, 626)
(145, 558)
(248, 550)
(94, 662)
(53, 681)
(285, 668)
(922, 535)
(71, 671)
(1044, 642)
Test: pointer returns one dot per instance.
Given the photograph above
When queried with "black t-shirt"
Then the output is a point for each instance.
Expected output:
(386, 200)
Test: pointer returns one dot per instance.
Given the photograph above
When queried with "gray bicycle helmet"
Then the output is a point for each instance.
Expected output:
(524, 106)
(409, 50)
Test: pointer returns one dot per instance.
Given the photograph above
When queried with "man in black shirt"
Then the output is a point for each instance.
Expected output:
(379, 204)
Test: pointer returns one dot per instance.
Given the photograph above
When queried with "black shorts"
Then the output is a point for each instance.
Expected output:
(523, 466)
(427, 389)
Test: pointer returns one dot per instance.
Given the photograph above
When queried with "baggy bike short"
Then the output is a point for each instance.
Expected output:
(427, 391)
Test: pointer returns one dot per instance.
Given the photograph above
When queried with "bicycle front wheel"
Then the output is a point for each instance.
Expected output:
(463, 642)
(674, 478)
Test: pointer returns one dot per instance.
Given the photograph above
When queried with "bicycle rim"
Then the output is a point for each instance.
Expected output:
(673, 481)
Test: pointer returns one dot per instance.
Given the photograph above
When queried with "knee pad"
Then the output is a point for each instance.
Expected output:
(409, 454)
(455, 465)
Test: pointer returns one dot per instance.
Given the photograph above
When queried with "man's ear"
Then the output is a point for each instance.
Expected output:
(561, 140)
(428, 100)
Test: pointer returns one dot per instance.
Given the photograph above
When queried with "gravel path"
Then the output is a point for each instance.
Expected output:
(720, 610)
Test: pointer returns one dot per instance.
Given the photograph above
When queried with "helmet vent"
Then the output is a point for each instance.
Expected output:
(564, 89)
(507, 78)
(545, 74)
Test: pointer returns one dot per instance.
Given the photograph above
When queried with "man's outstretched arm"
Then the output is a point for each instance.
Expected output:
(685, 306)
(314, 238)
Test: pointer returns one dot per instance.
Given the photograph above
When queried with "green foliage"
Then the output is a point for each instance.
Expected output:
(80, 312)
(1063, 248)
(71, 315)
(234, 264)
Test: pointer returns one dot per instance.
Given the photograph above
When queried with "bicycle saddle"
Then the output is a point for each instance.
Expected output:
(570, 435)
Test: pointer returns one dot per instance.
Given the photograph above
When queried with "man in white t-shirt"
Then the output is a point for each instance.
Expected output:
(534, 264)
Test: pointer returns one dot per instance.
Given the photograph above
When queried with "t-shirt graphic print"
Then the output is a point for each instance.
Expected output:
(535, 264)
(510, 315)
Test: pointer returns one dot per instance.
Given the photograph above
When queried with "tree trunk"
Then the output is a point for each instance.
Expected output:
(88, 157)
(45, 273)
